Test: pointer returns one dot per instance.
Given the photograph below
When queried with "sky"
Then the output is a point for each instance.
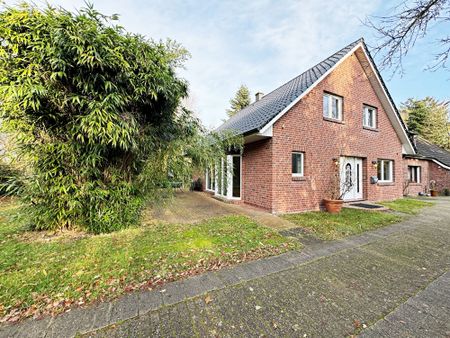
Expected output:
(263, 44)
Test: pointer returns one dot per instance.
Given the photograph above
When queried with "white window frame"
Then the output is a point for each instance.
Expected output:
(330, 98)
(230, 183)
(418, 173)
(302, 155)
(225, 167)
(391, 171)
(210, 178)
(373, 123)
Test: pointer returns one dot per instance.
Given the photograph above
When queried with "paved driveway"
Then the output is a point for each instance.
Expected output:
(190, 207)
(391, 282)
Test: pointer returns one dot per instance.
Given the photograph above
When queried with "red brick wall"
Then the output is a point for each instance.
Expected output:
(257, 174)
(413, 189)
(304, 129)
(440, 175)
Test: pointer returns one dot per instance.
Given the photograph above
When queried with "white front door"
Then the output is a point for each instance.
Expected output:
(351, 178)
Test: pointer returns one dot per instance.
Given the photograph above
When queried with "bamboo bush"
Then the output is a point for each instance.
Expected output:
(96, 115)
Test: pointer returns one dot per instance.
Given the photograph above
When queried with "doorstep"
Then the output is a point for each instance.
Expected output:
(365, 205)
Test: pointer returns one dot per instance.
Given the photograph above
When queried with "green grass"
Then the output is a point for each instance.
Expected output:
(39, 275)
(407, 205)
(348, 222)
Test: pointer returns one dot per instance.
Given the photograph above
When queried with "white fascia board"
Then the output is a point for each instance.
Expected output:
(267, 132)
(440, 164)
(406, 141)
(306, 92)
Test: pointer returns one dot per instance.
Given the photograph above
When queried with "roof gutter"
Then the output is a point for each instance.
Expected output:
(420, 157)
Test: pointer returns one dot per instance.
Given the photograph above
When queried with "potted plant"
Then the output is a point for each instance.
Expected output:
(433, 190)
(337, 191)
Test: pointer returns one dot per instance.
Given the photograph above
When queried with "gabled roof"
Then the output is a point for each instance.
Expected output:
(255, 116)
(431, 151)
(260, 115)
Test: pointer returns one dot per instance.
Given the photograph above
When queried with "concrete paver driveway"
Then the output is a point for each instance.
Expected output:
(390, 282)
(396, 284)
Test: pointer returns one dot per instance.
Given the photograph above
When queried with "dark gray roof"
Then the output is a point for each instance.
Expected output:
(432, 151)
(254, 117)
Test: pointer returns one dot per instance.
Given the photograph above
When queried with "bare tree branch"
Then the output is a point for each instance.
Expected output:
(399, 32)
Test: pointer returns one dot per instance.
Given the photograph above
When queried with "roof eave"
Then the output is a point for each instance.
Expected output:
(426, 158)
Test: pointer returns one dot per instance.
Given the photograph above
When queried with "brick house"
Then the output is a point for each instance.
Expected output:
(336, 116)
(430, 162)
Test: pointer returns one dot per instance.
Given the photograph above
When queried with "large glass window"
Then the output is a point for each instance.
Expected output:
(297, 164)
(210, 179)
(228, 177)
(385, 170)
(237, 176)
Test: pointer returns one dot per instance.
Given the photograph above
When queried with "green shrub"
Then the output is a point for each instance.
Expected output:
(10, 180)
(97, 115)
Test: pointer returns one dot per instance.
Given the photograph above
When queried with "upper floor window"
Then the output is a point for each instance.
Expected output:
(297, 164)
(414, 174)
(385, 170)
(370, 117)
(332, 106)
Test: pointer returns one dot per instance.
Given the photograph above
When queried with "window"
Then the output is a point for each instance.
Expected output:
(370, 117)
(332, 106)
(210, 179)
(385, 170)
(414, 174)
(297, 164)
(236, 189)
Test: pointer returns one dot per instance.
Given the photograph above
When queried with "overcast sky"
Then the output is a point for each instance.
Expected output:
(263, 43)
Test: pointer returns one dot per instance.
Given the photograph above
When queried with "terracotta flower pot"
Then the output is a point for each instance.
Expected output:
(333, 206)
(434, 193)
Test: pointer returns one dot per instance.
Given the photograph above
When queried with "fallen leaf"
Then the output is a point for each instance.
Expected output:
(208, 299)
(257, 307)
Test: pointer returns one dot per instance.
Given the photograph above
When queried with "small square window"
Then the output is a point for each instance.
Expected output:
(332, 106)
(385, 170)
(414, 174)
(370, 117)
(297, 164)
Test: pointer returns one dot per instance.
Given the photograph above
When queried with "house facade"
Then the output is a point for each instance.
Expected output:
(337, 119)
(429, 163)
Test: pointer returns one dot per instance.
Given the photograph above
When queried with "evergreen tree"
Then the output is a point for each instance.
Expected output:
(428, 118)
(240, 101)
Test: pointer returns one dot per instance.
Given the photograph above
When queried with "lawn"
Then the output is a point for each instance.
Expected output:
(407, 205)
(348, 222)
(42, 273)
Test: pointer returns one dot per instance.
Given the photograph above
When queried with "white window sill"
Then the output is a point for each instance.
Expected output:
(386, 183)
(370, 128)
(331, 119)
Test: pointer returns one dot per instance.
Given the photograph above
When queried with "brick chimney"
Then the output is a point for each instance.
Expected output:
(258, 96)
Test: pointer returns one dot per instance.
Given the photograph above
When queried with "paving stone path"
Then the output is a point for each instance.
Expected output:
(391, 282)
